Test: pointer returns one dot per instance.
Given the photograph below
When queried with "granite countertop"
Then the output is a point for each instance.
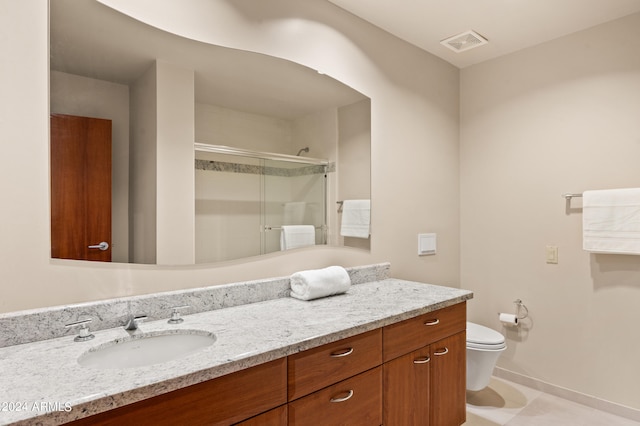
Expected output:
(42, 383)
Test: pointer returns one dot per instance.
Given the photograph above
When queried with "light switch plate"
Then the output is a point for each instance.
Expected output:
(552, 254)
(426, 244)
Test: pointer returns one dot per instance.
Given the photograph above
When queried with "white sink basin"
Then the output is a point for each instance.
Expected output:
(146, 349)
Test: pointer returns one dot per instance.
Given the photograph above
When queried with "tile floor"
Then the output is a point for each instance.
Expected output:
(505, 403)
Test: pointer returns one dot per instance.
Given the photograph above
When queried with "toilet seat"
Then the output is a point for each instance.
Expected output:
(483, 338)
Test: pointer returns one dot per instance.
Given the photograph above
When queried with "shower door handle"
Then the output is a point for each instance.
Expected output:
(102, 246)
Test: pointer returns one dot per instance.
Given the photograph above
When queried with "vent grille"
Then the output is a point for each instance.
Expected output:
(464, 41)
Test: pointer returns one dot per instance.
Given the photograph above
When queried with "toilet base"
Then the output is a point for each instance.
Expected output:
(480, 365)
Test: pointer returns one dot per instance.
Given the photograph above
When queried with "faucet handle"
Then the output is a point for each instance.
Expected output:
(84, 334)
(175, 314)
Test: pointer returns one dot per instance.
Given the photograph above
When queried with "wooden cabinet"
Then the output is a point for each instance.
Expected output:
(422, 372)
(425, 386)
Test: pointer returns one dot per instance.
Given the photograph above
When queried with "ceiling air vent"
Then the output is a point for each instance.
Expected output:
(464, 41)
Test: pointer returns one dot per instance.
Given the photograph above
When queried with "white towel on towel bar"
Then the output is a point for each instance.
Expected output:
(294, 236)
(315, 283)
(611, 221)
(356, 218)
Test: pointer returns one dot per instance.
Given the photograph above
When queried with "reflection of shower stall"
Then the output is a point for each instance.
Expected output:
(244, 198)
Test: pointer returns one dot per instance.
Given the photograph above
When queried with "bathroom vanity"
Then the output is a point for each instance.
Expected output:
(387, 352)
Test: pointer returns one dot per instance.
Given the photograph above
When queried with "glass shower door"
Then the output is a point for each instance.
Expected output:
(228, 207)
(294, 194)
(243, 202)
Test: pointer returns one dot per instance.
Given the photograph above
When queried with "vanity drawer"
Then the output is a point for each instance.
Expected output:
(222, 401)
(355, 401)
(317, 368)
(409, 335)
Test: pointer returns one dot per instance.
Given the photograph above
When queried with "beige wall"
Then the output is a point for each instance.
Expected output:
(414, 127)
(560, 117)
(144, 154)
(217, 125)
(175, 159)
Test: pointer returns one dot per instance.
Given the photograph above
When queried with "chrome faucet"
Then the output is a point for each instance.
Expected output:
(132, 323)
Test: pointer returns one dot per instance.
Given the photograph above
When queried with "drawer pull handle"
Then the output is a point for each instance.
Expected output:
(422, 360)
(344, 398)
(341, 353)
(432, 322)
(440, 352)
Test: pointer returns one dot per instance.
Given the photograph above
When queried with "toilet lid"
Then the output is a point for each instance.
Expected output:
(482, 335)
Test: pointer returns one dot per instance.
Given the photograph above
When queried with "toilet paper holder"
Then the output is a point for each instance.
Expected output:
(520, 307)
(522, 312)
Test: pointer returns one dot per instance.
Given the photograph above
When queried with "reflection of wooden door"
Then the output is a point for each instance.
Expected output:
(80, 187)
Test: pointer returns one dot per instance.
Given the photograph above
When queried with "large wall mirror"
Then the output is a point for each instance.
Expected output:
(274, 144)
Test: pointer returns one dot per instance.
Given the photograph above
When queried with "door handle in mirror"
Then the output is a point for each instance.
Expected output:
(102, 246)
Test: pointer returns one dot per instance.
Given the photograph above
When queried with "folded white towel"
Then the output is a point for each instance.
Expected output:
(356, 218)
(315, 283)
(294, 236)
(611, 221)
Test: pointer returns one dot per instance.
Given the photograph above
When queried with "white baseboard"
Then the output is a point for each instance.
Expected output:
(571, 395)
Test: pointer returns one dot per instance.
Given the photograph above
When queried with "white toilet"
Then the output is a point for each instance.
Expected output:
(484, 347)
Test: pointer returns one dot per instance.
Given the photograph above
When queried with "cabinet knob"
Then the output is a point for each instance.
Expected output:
(341, 353)
(422, 360)
(344, 398)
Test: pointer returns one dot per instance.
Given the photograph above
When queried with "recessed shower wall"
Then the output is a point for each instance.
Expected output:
(243, 202)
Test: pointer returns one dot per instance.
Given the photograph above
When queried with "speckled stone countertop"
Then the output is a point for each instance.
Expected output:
(42, 382)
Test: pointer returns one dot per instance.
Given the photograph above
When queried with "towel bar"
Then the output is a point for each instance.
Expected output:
(570, 196)
(278, 228)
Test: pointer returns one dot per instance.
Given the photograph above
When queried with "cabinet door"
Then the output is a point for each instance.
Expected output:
(448, 381)
(354, 402)
(406, 395)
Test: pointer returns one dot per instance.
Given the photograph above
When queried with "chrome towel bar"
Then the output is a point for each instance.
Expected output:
(570, 196)
(278, 228)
